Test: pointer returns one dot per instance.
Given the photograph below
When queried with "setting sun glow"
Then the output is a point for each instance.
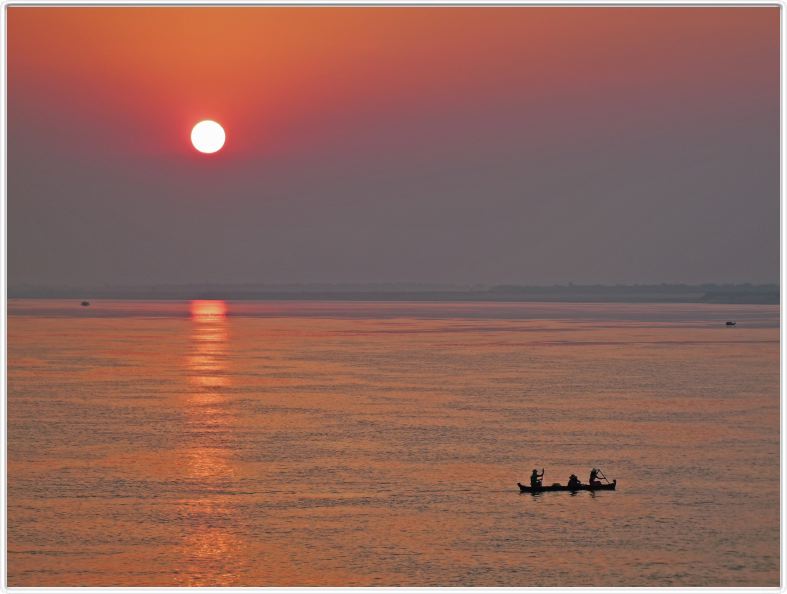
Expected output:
(207, 136)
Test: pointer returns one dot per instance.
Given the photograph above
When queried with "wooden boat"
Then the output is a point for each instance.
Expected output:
(559, 487)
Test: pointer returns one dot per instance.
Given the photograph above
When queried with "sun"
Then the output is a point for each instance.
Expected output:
(207, 136)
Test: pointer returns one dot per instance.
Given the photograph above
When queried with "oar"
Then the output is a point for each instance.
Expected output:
(602, 475)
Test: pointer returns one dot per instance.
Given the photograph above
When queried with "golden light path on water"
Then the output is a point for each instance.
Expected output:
(209, 459)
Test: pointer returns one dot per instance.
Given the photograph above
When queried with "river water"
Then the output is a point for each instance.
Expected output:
(340, 443)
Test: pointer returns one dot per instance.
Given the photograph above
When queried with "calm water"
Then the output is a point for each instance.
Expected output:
(163, 443)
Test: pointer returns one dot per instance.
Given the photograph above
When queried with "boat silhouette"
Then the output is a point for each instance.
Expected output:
(573, 488)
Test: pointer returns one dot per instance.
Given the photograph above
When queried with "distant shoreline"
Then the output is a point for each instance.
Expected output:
(711, 294)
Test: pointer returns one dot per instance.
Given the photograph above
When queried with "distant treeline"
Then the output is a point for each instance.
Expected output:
(661, 293)
(680, 293)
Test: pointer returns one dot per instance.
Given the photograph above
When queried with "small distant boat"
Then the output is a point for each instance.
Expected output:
(559, 487)
(731, 323)
(85, 303)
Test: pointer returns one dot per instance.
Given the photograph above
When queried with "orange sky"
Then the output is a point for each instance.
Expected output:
(281, 71)
(521, 144)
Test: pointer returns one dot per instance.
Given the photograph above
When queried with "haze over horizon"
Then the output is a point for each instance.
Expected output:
(531, 146)
(388, 285)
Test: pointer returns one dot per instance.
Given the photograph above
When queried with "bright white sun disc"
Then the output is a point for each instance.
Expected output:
(207, 136)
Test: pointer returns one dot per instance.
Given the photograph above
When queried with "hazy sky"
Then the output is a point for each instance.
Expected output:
(447, 145)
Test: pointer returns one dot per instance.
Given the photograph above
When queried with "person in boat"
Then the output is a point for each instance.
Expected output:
(535, 478)
(594, 482)
(573, 482)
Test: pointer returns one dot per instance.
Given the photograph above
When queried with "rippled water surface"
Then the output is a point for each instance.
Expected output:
(286, 443)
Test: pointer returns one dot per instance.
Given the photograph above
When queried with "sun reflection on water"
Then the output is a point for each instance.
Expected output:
(208, 310)
(209, 458)
(208, 417)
